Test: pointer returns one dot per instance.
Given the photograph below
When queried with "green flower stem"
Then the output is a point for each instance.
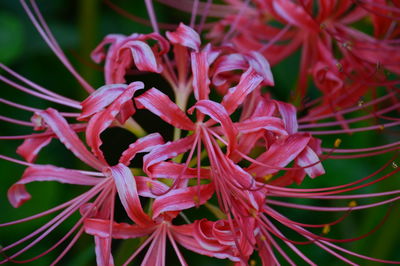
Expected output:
(132, 126)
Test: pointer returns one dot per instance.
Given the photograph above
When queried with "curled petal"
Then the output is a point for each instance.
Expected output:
(148, 187)
(226, 64)
(280, 154)
(98, 53)
(100, 121)
(201, 82)
(144, 144)
(236, 95)
(158, 103)
(142, 55)
(60, 127)
(128, 194)
(258, 62)
(30, 148)
(100, 99)
(182, 199)
(308, 157)
(161, 41)
(185, 36)
(288, 113)
(17, 194)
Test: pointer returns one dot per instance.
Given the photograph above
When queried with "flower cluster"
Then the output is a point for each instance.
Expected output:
(236, 151)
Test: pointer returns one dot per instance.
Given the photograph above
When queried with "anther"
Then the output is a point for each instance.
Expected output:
(253, 263)
(394, 165)
(253, 212)
(339, 66)
(267, 178)
(360, 103)
(263, 238)
(326, 229)
(353, 204)
(149, 184)
(337, 143)
(381, 127)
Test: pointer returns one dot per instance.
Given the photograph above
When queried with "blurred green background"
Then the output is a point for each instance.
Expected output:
(79, 26)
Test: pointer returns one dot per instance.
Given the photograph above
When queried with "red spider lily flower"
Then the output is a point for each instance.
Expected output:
(245, 162)
(164, 209)
(103, 188)
(322, 30)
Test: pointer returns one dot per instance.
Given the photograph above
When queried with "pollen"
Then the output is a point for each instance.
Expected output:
(326, 229)
(253, 212)
(360, 103)
(149, 184)
(339, 66)
(353, 204)
(267, 178)
(337, 143)
(253, 263)
(394, 165)
(263, 238)
(381, 127)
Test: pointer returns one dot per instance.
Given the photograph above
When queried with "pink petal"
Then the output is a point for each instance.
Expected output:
(192, 244)
(236, 95)
(185, 36)
(182, 199)
(201, 82)
(30, 148)
(144, 144)
(288, 113)
(17, 194)
(166, 151)
(142, 55)
(102, 249)
(101, 228)
(308, 157)
(98, 53)
(102, 120)
(158, 103)
(294, 14)
(161, 41)
(149, 188)
(174, 171)
(227, 64)
(128, 194)
(272, 124)
(280, 154)
(258, 62)
(100, 99)
(60, 127)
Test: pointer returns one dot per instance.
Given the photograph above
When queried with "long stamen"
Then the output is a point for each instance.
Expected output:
(39, 95)
(43, 30)
(35, 86)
